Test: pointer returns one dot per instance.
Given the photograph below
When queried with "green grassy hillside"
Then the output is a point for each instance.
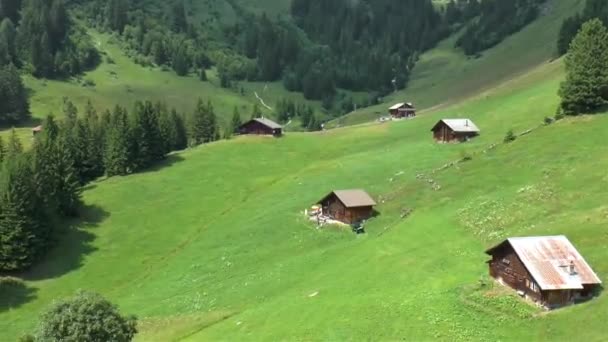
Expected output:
(445, 75)
(213, 245)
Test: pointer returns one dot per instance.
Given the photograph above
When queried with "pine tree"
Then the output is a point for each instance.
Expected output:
(147, 134)
(22, 237)
(14, 103)
(179, 23)
(94, 144)
(256, 112)
(117, 152)
(14, 146)
(181, 138)
(168, 128)
(236, 123)
(585, 89)
(181, 61)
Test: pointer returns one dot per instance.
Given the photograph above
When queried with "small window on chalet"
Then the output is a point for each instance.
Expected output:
(506, 261)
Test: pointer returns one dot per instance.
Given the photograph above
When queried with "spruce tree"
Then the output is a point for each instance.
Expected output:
(181, 137)
(236, 123)
(147, 135)
(168, 129)
(14, 103)
(117, 151)
(256, 112)
(22, 237)
(585, 89)
(197, 126)
(14, 146)
(94, 144)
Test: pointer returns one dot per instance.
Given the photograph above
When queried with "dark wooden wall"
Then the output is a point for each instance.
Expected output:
(257, 128)
(507, 266)
(333, 207)
(443, 133)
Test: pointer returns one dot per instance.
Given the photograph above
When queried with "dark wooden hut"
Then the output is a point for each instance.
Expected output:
(402, 110)
(261, 126)
(546, 269)
(348, 206)
(454, 130)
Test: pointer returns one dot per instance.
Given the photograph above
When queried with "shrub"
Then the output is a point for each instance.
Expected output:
(88, 83)
(465, 156)
(510, 136)
(548, 120)
(85, 317)
(110, 60)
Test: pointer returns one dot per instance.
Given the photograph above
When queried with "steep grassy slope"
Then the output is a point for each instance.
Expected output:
(213, 246)
(445, 75)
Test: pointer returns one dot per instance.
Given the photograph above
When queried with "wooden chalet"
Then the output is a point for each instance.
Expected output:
(261, 126)
(454, 130)
(36, 130)
(402, 110)
(348, 206)
(545, 269)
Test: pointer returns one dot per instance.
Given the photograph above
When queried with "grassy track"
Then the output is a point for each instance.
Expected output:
(213, 246)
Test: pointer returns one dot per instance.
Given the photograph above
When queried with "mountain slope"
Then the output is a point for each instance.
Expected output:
(213, 245)
(445, 75)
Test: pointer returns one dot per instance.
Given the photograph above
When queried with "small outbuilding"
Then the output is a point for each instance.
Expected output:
(36, 130)
(261, 126)
(402, 110)
(348, 206)
(454, 130)
(545, 269)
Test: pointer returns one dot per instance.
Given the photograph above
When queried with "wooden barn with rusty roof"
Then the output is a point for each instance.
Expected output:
(348, 206)
(545, 269)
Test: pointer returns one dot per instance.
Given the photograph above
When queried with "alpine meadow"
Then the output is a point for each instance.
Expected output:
(288, 170)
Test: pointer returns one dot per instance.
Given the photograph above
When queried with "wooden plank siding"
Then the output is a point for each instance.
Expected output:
(257, 128)
(334, 208)
(508, 269)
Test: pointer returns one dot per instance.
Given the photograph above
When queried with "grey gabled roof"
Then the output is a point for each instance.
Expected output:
(549, 259)
(353, 198)
(268, 123)
(460, 125)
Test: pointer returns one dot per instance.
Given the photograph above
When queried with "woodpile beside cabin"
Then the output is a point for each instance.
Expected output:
(348, 206)
(546, 269)
(454, 130)
(261, 126)
(402, 110)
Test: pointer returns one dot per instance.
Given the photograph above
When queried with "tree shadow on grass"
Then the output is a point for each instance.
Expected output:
(14, 293)
(171, 160)
(73, 243)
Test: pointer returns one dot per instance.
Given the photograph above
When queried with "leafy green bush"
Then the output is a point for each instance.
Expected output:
(85, 317)
(510, 136)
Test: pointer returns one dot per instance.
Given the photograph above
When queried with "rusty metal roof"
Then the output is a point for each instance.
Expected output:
(353, 198)
(553, 262)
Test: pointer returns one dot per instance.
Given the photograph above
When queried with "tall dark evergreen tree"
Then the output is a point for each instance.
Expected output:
(236, 122)
(179, 22)
(118, 153)
(147, 135)
(586, 87)
(14, 103)
(22, 237)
